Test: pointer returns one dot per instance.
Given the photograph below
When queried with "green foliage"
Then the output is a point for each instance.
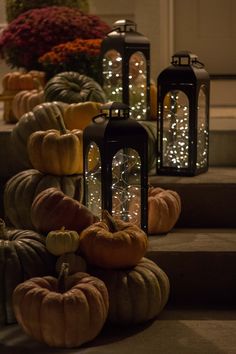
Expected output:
(15, 7)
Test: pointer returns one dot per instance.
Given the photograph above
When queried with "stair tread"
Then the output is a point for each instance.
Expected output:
(215, 175)
(179, 331)
(194, 240)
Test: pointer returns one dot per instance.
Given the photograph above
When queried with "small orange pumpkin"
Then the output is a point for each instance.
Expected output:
(164, 207)
(113, 243)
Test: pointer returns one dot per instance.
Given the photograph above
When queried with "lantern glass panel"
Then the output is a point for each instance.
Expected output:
(175, 142)
(138, 85)
(126, 185)
(93, 179)
(112, 75)
(202, 137)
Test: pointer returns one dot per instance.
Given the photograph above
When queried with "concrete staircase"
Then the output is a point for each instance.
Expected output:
(198, 255)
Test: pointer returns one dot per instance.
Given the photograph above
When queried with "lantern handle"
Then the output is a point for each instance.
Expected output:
(198, 64)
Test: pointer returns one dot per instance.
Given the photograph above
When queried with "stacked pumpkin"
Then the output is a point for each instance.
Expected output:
(21, 92)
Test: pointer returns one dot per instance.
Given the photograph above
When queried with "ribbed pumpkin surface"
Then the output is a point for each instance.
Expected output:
(136, 294)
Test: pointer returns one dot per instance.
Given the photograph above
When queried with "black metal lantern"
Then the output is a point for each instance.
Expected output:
(183, 116)
(115, 165)
(126, 68)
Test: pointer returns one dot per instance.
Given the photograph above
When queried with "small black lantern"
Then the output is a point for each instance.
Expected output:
(183, 117)
(126, 68)
(115, 165)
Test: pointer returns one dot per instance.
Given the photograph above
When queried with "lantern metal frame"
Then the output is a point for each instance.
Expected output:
(111, 132)
(186, 74)
(125, 39)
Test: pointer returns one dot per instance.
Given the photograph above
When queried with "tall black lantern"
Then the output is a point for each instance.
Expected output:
(126, 68)
(183, 116)
(115, 165)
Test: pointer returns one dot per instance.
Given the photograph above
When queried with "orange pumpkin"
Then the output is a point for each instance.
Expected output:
(164, 207)
(24, 101)
(112, 243)
(64, 312)
(52, 209)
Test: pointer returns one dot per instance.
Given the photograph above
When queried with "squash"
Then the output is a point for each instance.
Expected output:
(64, 312)
(42, 117)
(136, 294)
(164, 207)
(75, 261)
(151, 129)
(153, 100)
(113, 243)
(24, 101)
(62, 241)
(56, 152)
(12, 83)
(73, 87)
(21, 189)
(79, 115)
(22, 255)
(52, 209)
(15, 81)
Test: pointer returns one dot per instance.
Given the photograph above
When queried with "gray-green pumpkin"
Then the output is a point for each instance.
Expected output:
(136, 294)
(23, 255)
(73, 87)
(21, 189)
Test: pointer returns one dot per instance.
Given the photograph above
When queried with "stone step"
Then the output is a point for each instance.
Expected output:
(200, 264)
(175, 331)
(208, 200)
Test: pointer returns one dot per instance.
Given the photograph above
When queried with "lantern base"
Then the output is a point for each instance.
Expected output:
(166, 171)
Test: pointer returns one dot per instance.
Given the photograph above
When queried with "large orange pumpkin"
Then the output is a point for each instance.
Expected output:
(64, 312)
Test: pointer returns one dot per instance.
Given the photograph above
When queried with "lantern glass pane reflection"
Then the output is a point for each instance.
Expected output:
(202, 137)
(93, 179)
(126, 185)
(138, 85)
(175, 130)
(112, 75)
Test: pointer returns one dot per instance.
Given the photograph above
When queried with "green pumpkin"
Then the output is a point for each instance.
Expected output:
(137, 294)
(151, 128)
(21, 189)
(73, 87)
(23, 255)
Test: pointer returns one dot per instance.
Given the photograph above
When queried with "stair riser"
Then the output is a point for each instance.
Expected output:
(199, 278)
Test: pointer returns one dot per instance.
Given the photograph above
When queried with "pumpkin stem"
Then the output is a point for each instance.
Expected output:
(62, 277)
(3, 230)
(109, 220)
(61, 124)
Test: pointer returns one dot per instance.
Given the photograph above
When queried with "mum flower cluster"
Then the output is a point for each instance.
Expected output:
(81, 55)
(36, 31)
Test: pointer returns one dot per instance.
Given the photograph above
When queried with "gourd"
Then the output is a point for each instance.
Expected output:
(151, 129)
(42, 117)
(73, 87)
(164, 207)
(113, 243)
(22, 255)
(12, 83)
(21, 189)
(62, 241)
(24, 101)
(79, 115)
(64, 312)
(58, 152)
(52, 209)
(75, 261)
(136, 294)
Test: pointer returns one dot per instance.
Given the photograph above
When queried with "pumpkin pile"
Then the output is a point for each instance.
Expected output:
(21, 92)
